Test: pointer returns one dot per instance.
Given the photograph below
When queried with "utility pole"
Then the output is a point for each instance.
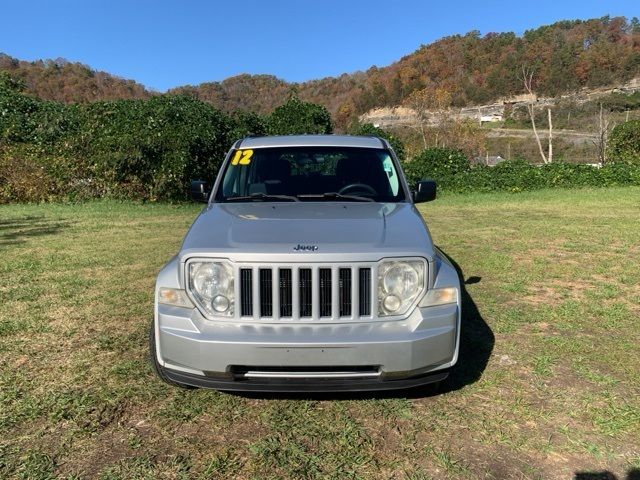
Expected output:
(550, 156)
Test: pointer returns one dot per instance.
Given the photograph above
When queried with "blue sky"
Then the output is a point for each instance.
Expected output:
(164, 44)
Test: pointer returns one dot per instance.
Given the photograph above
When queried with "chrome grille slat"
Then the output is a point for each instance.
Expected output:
(275, 292)
(335, 286)
(295, 292)
(354, 292)
(315, 293)
(255, 293)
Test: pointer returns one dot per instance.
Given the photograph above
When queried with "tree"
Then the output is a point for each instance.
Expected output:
(296, 117)
(345, 115)
(427, 103)
(247, 123)
(624, 142)
(465, 135)
(10, 84)
(527, 80)
(604, 126)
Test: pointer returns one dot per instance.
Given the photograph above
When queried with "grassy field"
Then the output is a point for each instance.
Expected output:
(548, 384)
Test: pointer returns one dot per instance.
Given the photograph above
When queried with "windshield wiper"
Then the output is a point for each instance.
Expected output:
(262, 196)
(338, 196)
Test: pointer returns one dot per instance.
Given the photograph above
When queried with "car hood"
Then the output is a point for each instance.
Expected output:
(368, 231)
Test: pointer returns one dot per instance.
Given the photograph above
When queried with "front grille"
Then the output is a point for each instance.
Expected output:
(304, 292)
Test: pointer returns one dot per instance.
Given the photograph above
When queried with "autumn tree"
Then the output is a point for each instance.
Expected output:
(345, 116)
(464, 135)
(430, 104)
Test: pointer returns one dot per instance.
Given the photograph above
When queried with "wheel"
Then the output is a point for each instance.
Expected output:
(156, 366)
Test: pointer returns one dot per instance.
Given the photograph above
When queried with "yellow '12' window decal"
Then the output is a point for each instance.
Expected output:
(242, 157)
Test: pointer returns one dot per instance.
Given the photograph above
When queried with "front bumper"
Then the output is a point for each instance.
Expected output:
(274, 357)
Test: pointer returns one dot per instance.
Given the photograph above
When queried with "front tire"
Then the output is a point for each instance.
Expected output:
(157, 368)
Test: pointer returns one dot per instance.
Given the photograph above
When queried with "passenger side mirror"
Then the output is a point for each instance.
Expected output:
(199, 191)
(425, 191)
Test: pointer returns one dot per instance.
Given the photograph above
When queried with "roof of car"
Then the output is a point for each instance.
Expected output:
(311, 141)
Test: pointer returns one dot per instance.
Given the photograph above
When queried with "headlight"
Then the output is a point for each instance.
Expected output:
(211, 284)
(399, 284)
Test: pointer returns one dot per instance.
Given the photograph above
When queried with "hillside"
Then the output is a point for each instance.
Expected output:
(473, 69)
(68, 82)
(511, 108)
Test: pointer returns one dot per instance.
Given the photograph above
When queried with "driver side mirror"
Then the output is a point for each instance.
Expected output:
(200, 191)
(425, 191)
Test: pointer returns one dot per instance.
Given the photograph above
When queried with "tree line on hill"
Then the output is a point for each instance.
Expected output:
(472, 69)
(69, 82)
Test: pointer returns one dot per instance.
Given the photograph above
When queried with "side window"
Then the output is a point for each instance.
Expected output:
(229, 183)
(387, 164)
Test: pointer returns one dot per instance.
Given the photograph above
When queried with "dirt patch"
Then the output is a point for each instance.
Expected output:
(90, 456)
(554, 291)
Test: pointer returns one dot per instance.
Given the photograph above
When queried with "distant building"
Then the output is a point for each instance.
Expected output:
(490, 118)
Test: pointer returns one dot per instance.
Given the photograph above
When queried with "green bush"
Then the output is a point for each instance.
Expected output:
(247, 124)
(624, 142)
(296, 117)
(144, 149)
(151, 148)
(25, 119)
(453, 173)
(441, 164)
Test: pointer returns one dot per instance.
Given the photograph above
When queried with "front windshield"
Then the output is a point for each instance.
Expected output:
(310, 174)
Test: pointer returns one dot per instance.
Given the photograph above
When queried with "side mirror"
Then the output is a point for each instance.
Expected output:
(199, 191)
(425, 191)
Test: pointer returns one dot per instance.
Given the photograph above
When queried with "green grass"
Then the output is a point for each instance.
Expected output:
(548, 385)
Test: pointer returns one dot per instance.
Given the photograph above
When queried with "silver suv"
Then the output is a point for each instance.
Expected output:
(310, 269)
